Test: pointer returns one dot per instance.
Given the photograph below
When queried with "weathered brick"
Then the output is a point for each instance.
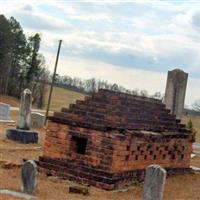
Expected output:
(110, 138)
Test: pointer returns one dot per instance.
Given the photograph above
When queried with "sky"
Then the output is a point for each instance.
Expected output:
(132, 43)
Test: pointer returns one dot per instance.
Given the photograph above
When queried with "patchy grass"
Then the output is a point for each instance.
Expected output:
(62, 98)
(56, 189)
(12, 101)
(178, 187)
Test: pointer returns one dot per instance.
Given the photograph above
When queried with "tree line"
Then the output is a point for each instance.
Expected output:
(93, 85)
(21, 64)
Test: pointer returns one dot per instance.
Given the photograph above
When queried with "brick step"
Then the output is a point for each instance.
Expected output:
(126, 103)
(112, 119)
(105, 125)
(121, 108)
(107, 119)
(103, 93)
(84, 171)
(77, 166)
(79, 177)
(91, 176)
(93, 110)
(114, 115)
(89, 125)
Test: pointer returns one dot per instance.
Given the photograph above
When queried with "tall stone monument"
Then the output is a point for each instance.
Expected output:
(23, 133)
(24, 119)
(175, 91)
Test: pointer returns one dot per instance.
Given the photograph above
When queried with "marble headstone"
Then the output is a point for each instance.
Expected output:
(23, 133)
(4, 111)
(37, 120)
(24, 119)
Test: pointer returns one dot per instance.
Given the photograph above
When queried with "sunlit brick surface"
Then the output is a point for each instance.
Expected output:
(110, 138)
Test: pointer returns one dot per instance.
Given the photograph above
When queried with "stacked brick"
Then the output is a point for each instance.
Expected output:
(110, 138)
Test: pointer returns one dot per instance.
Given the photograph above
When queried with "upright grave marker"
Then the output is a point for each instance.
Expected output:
(154, 183)
(5, 113)
(37, 120)
(23, 133)
(24, 119)
(175, 91)
(29, 177)
(29, 182)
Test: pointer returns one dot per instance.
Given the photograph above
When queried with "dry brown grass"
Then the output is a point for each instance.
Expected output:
(62, 98)
(12, 101)
(179, 187)
(196, 123)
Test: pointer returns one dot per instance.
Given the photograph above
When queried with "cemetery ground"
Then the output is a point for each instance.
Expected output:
(60, 96)
(177, 187)
(52, 188)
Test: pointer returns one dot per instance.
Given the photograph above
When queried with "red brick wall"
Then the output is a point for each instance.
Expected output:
(124, 134)
(135, 153)
(58, 144)
(114, 152)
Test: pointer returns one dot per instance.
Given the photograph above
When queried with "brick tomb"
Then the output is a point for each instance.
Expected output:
(108, 140)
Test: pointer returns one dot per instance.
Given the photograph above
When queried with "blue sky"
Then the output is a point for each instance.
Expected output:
(133, 43)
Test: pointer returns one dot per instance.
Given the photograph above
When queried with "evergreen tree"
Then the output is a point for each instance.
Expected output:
(5, 43)
(190, 127)
(21, 64)
(34, 59)
(18, 58)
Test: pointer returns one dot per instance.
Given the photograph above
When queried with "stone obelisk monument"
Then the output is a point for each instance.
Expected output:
(175, 91)
(24, 119)
(23, 133)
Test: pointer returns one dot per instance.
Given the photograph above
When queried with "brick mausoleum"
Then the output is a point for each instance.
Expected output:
(110, 138)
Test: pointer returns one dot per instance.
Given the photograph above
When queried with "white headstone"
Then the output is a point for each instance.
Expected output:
(154, 183)
(24, 119)
(4, 111)
(29, 177)
(37, 120)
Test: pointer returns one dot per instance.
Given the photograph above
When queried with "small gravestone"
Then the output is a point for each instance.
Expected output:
(23, 133)
(37, 120)
(29, 177)
(5, 113)
(154, 183)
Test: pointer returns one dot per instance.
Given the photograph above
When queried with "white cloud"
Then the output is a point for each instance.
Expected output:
(129, 78)
(153, 35)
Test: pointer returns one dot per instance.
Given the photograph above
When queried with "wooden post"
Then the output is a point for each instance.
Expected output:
(52, 83)
(154, 183)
